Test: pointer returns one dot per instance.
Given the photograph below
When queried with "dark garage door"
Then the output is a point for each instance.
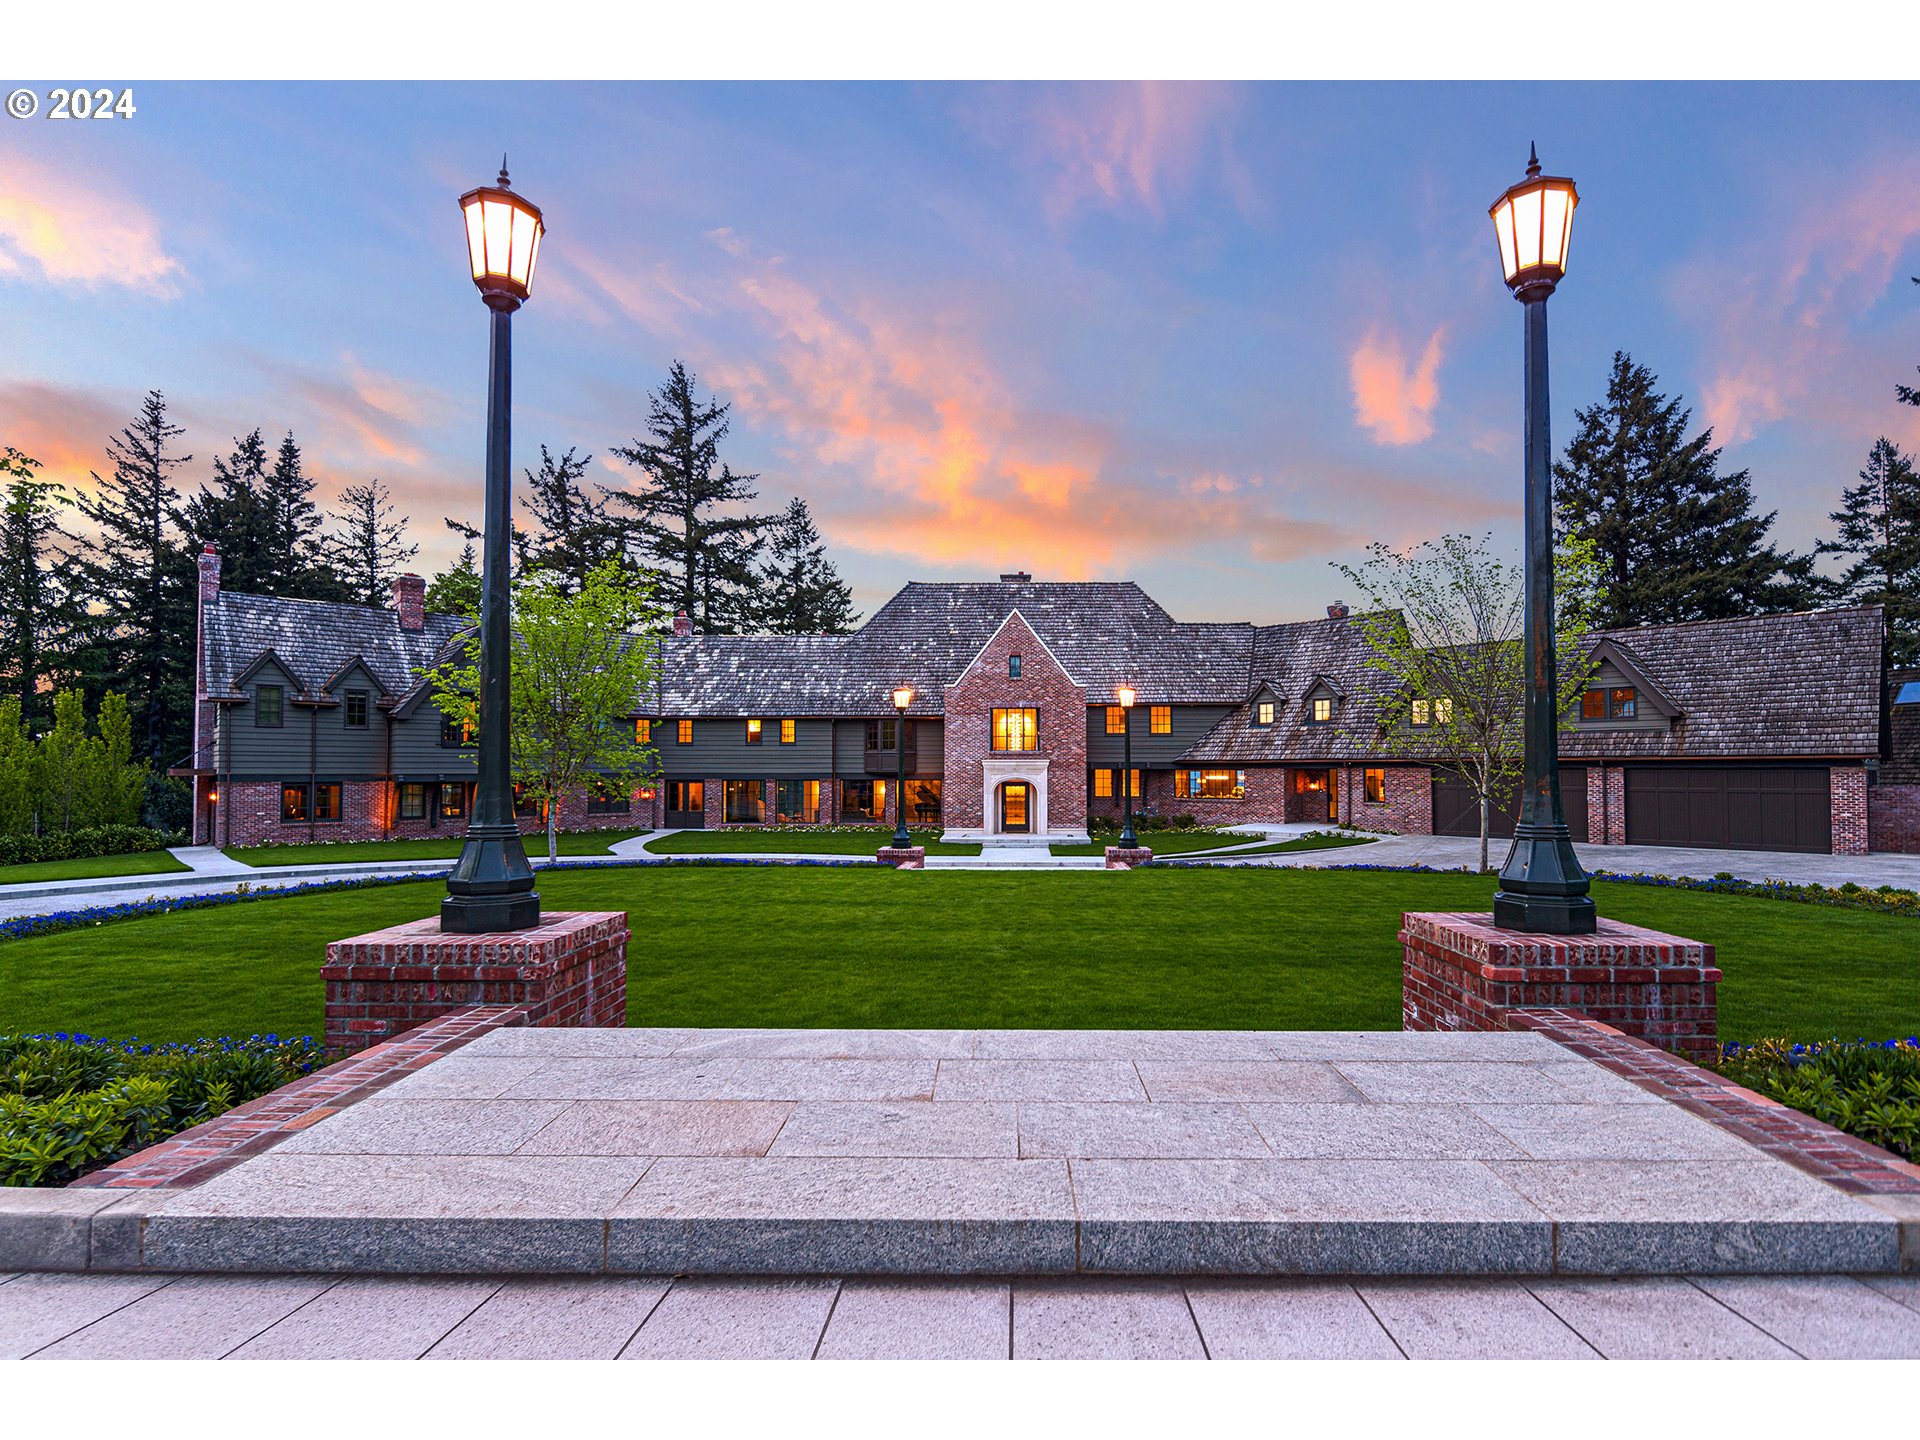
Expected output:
(1730, 807)
(1456, 810)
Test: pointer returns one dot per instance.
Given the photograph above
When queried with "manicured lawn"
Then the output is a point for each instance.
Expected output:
(1306, 949)
(1307, 842)
(749, 841)
(1189, 842)
(367, 852)
(94, 867)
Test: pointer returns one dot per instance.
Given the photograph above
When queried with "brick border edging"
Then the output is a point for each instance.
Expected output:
(195, 1156)
(1843, 1161)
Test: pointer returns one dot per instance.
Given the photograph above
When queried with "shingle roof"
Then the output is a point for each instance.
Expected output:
(314, 639)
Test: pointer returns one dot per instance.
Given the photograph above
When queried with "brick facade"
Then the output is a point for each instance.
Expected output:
(569, 970)
(1458, 972)
(1893, 818)
(250, 815)
(1849, 799)
(1061, 708)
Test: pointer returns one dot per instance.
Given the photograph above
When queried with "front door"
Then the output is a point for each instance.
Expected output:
(1312, 797)
(1014, 796)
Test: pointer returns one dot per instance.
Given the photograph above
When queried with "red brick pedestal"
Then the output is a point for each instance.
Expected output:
(1125, 858)
(906, 857)
(1460, 973)
(570, 969)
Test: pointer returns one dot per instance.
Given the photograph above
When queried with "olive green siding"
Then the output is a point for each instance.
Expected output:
(1606, 677)
(1150, 751)
(720, 751)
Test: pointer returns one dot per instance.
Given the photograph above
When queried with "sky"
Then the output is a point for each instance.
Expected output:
(1214, 338)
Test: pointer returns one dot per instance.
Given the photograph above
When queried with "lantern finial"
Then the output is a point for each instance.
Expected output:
(505, 186)
(1533, 163)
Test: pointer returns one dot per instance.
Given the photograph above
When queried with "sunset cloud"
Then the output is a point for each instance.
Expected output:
(64, 427)
(1393, 398)
(54, 229)
(354, 416)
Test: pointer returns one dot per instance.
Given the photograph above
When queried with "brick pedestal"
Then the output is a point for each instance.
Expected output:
(905, 857)
(571, 969)
(1460, 973)
(1126, 857)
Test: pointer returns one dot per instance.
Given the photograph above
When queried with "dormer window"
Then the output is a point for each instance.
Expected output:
(267, 714)
(753, 732)
(1622, 703)
(356, 709)
(1321, 711)
(1013, 667)
(1422, 715)
(1263, 713)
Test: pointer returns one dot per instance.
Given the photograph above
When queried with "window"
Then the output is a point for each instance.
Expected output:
(746, 802)
(1322, 711)
(266, 707)
(413, 802)
(1160, 720)
(1016, 730)
(863, 799)
(326, 800)
(609, 802)
(356, 709)
(684, 732)
(1133, 783)
(1263, 713)
(1443, 710)
(923, 801)
(1102, 784)
(787, 732)
(528, 805)
(453, 800)
(643, 731)
(293, 801)
(1376, 782)
(753, 732)
(1116, 719)
(1593, 705)
(1210, 784)
(1422, 713)
(455, 734)
(1013, 667)
(686, 797)
(796, 802)
(1622, 703)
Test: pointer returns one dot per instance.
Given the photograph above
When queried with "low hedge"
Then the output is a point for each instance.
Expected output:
(83, 844)
(1866, 1088)
(72, 1103)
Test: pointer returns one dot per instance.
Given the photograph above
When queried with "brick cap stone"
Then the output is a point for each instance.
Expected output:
(908, 857)
(1474, 939)
(1126, 857)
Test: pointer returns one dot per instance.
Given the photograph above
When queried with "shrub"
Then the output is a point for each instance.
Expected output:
(1866, 1088)
(83, 844)
(72, 1103)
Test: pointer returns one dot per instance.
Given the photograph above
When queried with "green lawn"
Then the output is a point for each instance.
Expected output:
(579, 842)
(94, 867)
(1307, 842)
(1188, 842)
(747, 841)
(1266, 948)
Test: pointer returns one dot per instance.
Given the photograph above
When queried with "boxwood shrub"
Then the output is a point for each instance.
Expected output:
(83, 844)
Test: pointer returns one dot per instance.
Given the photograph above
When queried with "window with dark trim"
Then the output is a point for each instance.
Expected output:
(1263, 713)
(455, 734)
(1623, 703)
(643, 731)
(1102, 784)
(1116, 719)
(753, 732)
(796, 802)
(294, 801)
(685, 732)
(267, 711)
(1322, 711)
(789, 732)
(528, 805)
(609, 802)
(1210, 784)
(863, 800)
(326, 800)
(413, 802)
(1016, 729)
(686, 796)
(1160, 719)
(1376, 786)
(1013, 667)
(1593, 705)
(453, 799)
(357, 709)
(1422, 715)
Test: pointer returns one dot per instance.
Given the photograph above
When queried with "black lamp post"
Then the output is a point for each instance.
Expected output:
(1542, 890)
(1126, 695)
(491, 887)
(902, 698)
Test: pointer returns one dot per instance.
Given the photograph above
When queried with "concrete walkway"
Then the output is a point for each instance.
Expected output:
(160, 1317)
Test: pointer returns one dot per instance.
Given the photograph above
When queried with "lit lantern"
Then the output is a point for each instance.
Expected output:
(1126, 695)
(1534, 223)
(503, 240)
(903, 697)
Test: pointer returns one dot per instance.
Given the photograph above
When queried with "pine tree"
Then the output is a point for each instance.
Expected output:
(456, 590)
(679, 524)
(36, 609)
(140, 580)
(1878, 526)
(302, 552)
(801, 591)
(371, 545)
(574, 535)
(1676, 540)
(235, 518)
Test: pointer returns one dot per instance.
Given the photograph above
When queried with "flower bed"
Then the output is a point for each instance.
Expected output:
(1867, 1088)
(72, 1103)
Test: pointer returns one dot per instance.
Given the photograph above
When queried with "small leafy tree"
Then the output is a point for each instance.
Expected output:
(1447, 625)
(579, 663)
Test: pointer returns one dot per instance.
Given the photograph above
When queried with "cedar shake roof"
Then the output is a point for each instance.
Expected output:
(313, 640)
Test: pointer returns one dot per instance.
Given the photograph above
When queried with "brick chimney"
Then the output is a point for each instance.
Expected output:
(682, 626)
(410, 599)
(1016, 577)
(209, 574)
(1338, 610)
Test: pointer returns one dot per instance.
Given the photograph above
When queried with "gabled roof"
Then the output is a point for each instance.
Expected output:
(311, 638)
(1013, 615)
(1611, 649)
(347, 667)
(260, 662)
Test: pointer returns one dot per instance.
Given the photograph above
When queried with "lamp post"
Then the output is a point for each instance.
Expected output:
(1126, 695)
(491, 886)
(1542, 890)
(902, 698)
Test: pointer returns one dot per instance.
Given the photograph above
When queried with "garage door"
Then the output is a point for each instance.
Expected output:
(1730, 807)
(1456, 809)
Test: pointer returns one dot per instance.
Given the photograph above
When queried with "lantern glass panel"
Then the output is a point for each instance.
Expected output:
(1526, 226)
(476, 239)
(1559, 218)
(499, 226)
(520, 265)
(1503, 228)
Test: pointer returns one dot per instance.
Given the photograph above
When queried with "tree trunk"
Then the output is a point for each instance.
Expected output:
(1483, 832)
(553, 829)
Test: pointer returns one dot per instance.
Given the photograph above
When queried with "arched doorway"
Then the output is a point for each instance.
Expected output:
(1016, 808)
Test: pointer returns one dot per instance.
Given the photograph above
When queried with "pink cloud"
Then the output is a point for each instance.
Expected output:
(64, 427)
(56, 229)
(1393, 398)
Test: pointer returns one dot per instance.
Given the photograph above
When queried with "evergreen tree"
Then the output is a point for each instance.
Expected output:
(18, 770)
(236, 519)
(680, 523)
(302, 552)
(371, 544)
(1878, 527)
(456, 590)
(36, 609)
(140, 581)
(801, 591)
(1675, 539)
(574, 536)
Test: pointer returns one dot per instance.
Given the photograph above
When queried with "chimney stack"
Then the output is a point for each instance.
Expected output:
(209, 574)
(1337, 611)
(410, 599)
(1016, 577)
(682, 626)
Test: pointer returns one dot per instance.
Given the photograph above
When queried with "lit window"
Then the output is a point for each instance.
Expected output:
(1016, 730)
(1593, 705)
(1622, 702)
(1116, 720)
(1376, 781)
(1263, 713)
(1013, 667)
(1160, 719)
(356, 709)
(293, 801)
(753, 732)
(453, 800)
(266, 707)
(326, 800)
(1133, 783)
(413, 802)
(684, 733)
(643, 731)
(1102, 784)
(786, 732)
(1422, 712)
(454, 734)
(1322, 711)
(1443, 710)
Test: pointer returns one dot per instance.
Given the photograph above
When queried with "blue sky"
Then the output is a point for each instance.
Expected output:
(1210, 337)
